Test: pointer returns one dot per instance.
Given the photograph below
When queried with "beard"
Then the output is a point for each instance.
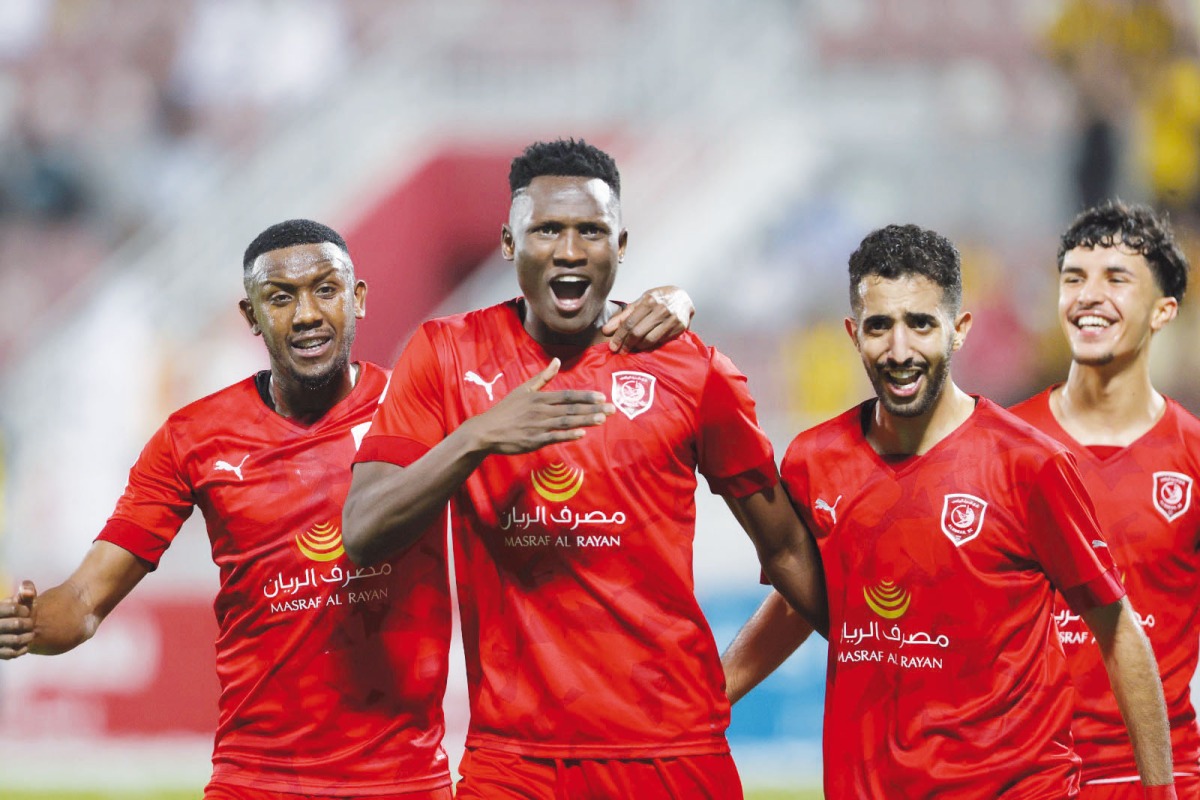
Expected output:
(935, 381)
(1102, 360)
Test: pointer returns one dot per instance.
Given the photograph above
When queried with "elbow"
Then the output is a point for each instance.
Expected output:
(356, 538)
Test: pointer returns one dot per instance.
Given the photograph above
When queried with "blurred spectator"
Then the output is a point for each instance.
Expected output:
(1109, 50)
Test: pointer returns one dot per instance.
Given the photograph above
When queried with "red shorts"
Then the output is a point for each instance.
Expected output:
(495, 775)
(227, 791)
(1186, 788)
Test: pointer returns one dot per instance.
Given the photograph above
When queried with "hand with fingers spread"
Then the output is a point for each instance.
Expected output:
(528, 418)
(658, 316)
(16, 621)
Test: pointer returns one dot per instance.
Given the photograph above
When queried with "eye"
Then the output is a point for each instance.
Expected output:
(592, 231)
(327, 290)
(279, 298)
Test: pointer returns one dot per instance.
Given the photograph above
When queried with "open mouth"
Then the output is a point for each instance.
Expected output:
(570, 290)
(903, 382)
(311, 346)
(1091, 322)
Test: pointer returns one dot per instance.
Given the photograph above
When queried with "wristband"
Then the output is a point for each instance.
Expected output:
(1165, 792)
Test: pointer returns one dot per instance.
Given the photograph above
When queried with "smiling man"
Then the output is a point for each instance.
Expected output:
(955, 523)
(331, 676)
(592, 671)
(1121, 280)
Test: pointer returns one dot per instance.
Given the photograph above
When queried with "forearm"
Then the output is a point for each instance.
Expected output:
(389, 507)
(63, 620)
(794, 569)
(763, 643)
(1137, 688)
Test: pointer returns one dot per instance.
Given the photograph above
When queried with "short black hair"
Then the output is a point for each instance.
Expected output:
(899, 250)
(1137, 228)
(568, 157)
(289, 233)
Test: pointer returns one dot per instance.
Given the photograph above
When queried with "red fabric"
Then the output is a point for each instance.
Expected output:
(1184, 788)
(945, 677)
(580, 623)
(1159, 563)
(218, 791)
(331, 678)
(496, 775)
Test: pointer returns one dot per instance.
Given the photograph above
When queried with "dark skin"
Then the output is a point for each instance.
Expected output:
(304, 301)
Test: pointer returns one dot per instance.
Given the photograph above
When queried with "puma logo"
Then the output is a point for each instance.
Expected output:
(227, 467)
(821, 505)
(471, 377)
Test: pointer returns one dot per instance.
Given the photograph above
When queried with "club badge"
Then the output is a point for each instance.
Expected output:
(1172, 494)
(962, 517)
(632, 392)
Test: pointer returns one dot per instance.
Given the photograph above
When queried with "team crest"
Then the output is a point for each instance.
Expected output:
(962, 517)
(1172, 494)
(633, 392)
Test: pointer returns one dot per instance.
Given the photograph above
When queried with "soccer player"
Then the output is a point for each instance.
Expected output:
(591, 669)
(332, 675)
(1121, 279)
(946, 524)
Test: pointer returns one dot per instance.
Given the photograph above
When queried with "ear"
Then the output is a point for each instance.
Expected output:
(248, 312)
(360, 299)
(852, 329)
(1165, 309)
(622, 241)
(962, 326)
(508, 247)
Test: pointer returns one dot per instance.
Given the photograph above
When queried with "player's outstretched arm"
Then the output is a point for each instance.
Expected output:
(658, 316)
(389, 507)
(67, 615)
(787, 551)
(766, 640)
(1133, 672)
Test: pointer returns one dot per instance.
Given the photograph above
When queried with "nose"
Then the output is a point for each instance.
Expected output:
(900, 345)
(1091, 292)
(568, 250)
(308, 311)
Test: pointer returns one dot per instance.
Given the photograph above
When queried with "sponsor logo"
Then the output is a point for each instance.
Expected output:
(321, 543)
(557, 483)
(821, 505)
(632, 392)
(1172, 494)
(225, 466)
(962, 517)
(887, 599)
(471, 377)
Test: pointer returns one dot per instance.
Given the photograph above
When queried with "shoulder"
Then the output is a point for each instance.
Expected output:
(840, 434)
(1013, 436)
(1034, 410)
(222, 408)
(1184, 420)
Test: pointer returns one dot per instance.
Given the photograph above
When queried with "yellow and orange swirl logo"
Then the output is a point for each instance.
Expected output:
(558, 483)
(887, 600)
(322, 543)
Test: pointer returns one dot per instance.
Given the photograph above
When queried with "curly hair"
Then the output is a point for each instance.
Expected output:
(568, 157)
(289, 233)
(1133, 227)
(899, 250)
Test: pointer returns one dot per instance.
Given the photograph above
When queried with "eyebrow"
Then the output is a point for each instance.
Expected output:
(1108, 270)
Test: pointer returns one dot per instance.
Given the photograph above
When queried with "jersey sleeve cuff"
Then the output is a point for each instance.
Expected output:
(139, 541)
(1095, 593)
(398, 450)
(744, 484)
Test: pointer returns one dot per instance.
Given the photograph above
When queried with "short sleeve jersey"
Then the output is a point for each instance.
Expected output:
(574, 562)
(1144, 496)
(945, 677)
(331, 676)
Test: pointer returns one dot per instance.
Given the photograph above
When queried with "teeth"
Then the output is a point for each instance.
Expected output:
(904, 375)
(570, 279)
(1092, 321)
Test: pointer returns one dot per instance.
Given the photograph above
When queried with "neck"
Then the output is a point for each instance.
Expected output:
(891, 434)
(591, 335)
(1109, 404)
(305, 404)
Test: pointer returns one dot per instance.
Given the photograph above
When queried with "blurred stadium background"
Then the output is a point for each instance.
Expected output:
(143, 144)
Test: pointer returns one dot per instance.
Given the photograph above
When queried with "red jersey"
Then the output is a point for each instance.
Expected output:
(1143, 495)
(945, 676)
(574, 562)
(331, 676)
